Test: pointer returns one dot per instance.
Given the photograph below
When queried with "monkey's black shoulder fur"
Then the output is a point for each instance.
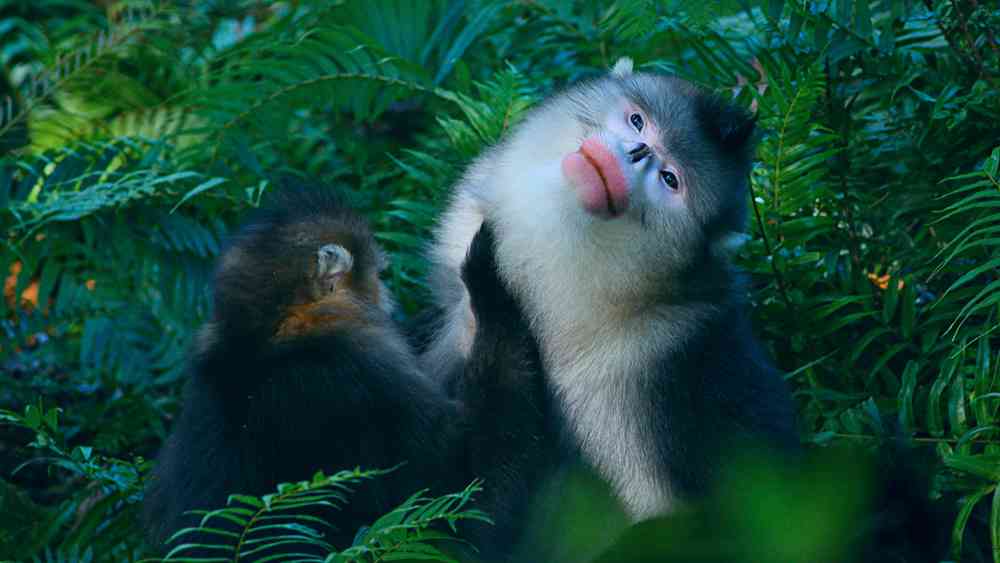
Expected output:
(260, 410)
(724, 377)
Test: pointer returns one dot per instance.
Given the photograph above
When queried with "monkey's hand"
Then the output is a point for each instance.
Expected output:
(491, 299)
(502, 386)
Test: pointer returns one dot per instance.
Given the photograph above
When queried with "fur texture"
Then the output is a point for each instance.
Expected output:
(302, 369)
(285, 382)
(647, 352)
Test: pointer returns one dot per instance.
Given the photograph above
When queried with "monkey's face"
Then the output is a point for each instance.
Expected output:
(624, 169)
(643, 175)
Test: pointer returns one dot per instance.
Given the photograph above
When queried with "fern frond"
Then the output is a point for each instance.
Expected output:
(486, 117)
(339, 66)
(258, 526)
(56, 127)
(66, 191)
(631, 19)
(406, 532)
(70, 65)
(979, 205)
(433, 35)
(796, 150)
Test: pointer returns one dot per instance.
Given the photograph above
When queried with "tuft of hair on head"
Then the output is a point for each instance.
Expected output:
(296, 199)
(623, 67)
(731, 127)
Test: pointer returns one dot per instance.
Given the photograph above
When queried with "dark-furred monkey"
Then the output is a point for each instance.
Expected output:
(302, 369)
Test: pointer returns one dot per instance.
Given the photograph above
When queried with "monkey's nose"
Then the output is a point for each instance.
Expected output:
(638, 152)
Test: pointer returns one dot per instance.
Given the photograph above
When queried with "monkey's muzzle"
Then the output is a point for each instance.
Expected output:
(596, 173)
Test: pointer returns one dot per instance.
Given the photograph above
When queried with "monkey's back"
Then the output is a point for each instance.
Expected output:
(251, 420)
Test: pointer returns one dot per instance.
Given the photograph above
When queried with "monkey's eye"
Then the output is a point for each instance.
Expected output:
(670, 179)
(636, 120)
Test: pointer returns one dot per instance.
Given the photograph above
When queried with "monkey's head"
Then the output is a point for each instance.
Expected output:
(305, 260)
(643, 178)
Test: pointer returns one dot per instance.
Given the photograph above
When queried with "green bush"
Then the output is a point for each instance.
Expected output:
(135, 134)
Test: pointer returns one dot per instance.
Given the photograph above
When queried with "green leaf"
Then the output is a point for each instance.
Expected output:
(890, 300)
(908, 312)
(202, 187)
(995, 524)
(958, 530)
(984, 466)
(935, 423)
(906, 396)
(992, 163)
(956, 407)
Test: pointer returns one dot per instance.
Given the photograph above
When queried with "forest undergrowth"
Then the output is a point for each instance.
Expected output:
(135, 135)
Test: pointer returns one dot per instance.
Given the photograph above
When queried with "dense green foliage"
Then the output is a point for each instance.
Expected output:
(134, 135)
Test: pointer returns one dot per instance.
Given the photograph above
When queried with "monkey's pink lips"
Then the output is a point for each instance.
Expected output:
(598, 178)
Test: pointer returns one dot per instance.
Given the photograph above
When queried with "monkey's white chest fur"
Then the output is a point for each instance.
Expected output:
(600, 397)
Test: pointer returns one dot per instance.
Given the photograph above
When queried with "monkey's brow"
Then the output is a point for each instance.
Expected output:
(587, 121)
(583, 115)
(583, 108)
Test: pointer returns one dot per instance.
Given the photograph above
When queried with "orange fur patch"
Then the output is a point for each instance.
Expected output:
(313, 318)
(345, 306)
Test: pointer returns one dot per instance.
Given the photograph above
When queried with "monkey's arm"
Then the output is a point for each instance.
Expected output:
(509, 445)
(504, 370)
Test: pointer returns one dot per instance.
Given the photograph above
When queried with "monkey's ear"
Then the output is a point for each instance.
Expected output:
(737, 131)
(732, 127)
(622, 68)
(728, 244)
